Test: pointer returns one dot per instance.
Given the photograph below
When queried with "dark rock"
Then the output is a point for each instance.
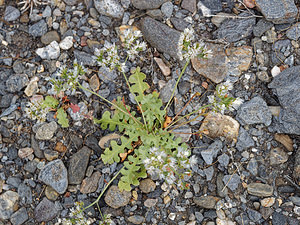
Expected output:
(279, 219)
(30, 166)
(90, 184)
(254, 215)
(179, 24)
(115, 198)
(233, 30)
(147, 4)
(261, 27)
(14, 181)
(92, 142)
(210, 214)
(286, 86)
(166, 91)
(6, 100)
(155, 14)
(244, 140)
(36, 148)
(160, 36)
(55, 175)
(296, 172)
(38, 29)
(19, 217)
(16, 82)
(278, 11)
(252, 166)
(286, 189)
(12, 153)
(11, 14)
(8, 111)
(78, 164)
(84, 58)
(45, 211)
(49, 37)
(254, 111)
(281, 49)
(24, 193)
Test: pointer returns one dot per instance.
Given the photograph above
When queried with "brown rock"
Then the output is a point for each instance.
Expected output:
(285, 140)
(104, 140)
(207, 202)
(94, 82)
(147, 185)
(116, 198)
(215, 67)
(267, 202)
(278, 156)
(32, 87)
(50, 155)
(50, 36)
(163, 67)
(90, 184)
(190, 5)
(216, 125)
(241, 56)
(51, 194)
(60, 147)
(25, 152)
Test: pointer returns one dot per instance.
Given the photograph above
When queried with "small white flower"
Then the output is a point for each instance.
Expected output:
(237, 102)
(193, 160)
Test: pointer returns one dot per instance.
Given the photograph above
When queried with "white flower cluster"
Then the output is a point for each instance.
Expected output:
(169, 167)
(66, 80)
(132, 44)
(108, 55)
(221, 100)
(188, 50)
(76, 217)
(35, 110)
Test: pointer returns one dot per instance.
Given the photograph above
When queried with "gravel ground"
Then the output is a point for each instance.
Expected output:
(248, 169)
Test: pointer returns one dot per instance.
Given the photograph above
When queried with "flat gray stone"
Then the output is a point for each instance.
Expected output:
(278, 11)
(294, 32)
(244, 140)
(45, 211)
(211, 152)
(11, 14)
(254, 111)
(46, 131)
(261, 27)
(286, 86)
(19, 217)
(160, 36)
(78, 164)
(232, 181)
(55, 175)
(84, 58)
(207, 202)
(147, 4)
(111, 8)
(233, 30)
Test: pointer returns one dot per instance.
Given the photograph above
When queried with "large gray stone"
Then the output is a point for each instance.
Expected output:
(211, 152)
(16, 82)
(233, 30)
(46, 131)
(84, 58)
(111, 8)
(19, 217)
(55, 175)
(116, 198)
(11, 13)
(78, 164)
(45, 211)
(38, 29)
(160, 36)
(147, 4)
(278, 11)
(7, 204)
(254, 111)
(286, 86)
(244, 140)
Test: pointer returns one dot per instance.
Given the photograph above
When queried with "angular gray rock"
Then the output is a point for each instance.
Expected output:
(294, 32)
(261, 27)
(244, 140)
(278, 11)
(254, 111)
(45, 211)
(211, 152)
(160, 36)
(232, 181)
(147, 4)
(16, 82)
(111, 8)
(78, 164)
(233, 30)
(7, 203)
(286, 87)
(38, 29)
(19, 217)
(11, 14)
(84, 58)
(55, 175)
(51, 51)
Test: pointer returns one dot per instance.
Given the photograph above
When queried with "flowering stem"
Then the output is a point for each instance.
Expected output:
(99, 197)
(182, 72)
(111, 103)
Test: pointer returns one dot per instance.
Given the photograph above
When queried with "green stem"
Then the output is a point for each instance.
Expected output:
(182, 72)
(99, 197)
(134, 95)
(111, 103)
(203, 107)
